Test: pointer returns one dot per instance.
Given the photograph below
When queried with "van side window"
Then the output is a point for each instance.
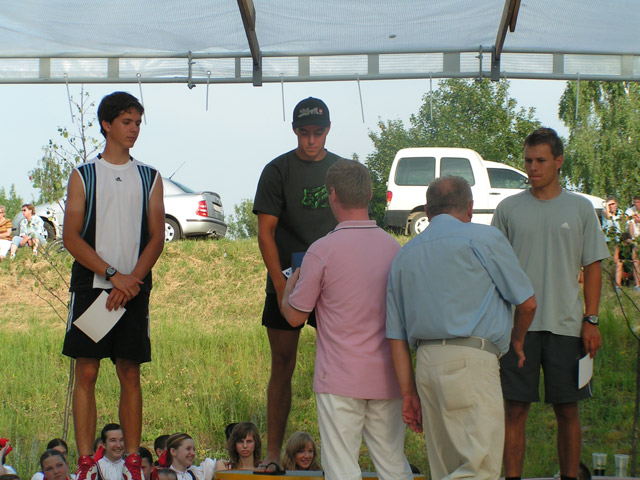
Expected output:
(503, 178)
(420, 171)
(458, 167)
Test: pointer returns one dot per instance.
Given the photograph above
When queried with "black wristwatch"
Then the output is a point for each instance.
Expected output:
(592, 319)
(112, 271)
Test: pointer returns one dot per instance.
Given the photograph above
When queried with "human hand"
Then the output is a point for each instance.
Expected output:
(590, 338)
(127, 284)
(287, 288)
(411, 412)
(518, 348)
(117, 299)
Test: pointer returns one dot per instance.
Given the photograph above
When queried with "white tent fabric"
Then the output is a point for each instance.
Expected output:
(198, 41)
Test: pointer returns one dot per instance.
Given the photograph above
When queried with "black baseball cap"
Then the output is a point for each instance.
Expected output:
(311, 111)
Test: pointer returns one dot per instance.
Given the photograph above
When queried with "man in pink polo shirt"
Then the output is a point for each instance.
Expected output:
(344, 277)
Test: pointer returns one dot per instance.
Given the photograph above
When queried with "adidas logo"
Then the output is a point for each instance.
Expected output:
(118, 179)
(565, 225)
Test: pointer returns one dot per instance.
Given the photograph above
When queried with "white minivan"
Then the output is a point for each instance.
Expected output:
(414, 168)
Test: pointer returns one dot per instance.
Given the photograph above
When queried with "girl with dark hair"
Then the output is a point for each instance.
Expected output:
(54, 465)
(179, 456)
(61, 446)
(244, 447)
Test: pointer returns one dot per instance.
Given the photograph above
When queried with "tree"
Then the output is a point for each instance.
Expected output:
(12, 202)
(54, 168)
(243, 223)
(601, 156)
(476, 114)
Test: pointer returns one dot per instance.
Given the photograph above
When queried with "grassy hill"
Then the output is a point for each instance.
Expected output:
(211, 361)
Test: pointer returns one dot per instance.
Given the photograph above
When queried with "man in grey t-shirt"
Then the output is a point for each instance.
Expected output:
(554, 234)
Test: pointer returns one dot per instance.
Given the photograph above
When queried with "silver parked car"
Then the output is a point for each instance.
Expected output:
(191, 214)
(187, 214)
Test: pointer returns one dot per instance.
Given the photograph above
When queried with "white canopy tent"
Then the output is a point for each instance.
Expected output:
(229, 41)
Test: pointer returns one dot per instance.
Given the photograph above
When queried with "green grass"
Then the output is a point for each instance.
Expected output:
(211, 361)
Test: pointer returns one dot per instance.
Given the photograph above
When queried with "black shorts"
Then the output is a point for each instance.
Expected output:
(272, 318)
(558, 356)
(128, 339)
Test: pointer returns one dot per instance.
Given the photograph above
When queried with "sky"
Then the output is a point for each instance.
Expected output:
(224, 149)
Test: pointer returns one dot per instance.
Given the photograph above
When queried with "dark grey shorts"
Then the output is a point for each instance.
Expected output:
(128, 339)
(558, 356)
(272, 318)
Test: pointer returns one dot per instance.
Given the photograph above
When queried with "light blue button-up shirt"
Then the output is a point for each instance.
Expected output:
(455, 279)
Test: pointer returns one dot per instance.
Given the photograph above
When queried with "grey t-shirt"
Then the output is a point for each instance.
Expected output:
(553, 239)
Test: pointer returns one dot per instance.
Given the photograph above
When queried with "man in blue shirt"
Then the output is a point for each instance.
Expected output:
(450, 293)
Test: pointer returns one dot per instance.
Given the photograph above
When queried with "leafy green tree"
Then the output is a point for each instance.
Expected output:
(243, 223)
(54, 168)
(476, 114)
(12, 202)
(603, 151)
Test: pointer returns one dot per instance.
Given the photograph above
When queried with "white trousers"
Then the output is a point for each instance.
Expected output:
(5, 245)
(462, 411)
(343, 421)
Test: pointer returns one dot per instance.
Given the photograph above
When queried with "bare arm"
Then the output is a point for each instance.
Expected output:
(266, 241)
(411, 412)
(294, 316)
(521, 323)
(592, 288)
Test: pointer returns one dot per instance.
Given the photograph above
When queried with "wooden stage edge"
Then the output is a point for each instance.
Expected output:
(290, 475)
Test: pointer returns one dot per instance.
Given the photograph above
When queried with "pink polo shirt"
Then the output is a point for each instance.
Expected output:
(344, 276)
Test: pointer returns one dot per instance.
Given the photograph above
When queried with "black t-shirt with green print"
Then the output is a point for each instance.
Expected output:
(293, 190)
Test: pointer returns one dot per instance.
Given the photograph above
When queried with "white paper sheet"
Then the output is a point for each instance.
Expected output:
(585, 370)
(97, 321)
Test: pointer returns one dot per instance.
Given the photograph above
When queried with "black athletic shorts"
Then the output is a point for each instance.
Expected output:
(128, 339)
(558, 356)
(272, 318)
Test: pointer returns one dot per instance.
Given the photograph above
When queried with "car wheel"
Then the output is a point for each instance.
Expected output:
(171, 230)
(418, 223)
(50, 229)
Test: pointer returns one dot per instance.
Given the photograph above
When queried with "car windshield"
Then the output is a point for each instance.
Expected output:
(180, 186)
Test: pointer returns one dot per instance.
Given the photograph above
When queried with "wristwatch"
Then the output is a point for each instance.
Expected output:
(112, 271)
(592, 319)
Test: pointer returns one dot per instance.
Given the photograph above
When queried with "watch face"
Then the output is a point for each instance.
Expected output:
(592, 319)
(110, 272)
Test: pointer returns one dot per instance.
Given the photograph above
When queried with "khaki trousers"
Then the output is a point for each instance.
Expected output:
(462, 410)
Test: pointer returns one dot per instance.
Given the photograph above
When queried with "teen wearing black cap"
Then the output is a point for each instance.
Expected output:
(293, 211)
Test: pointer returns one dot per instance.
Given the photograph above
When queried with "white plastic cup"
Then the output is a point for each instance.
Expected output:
(599, 463)
(621, 463)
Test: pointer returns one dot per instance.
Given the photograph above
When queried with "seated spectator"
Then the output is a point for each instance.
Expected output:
(300, 453)
(244, 447)
(625, 258)
(61, 446)
(166, 474)
(31, 232)
(5, 232)
(635, 208)
(109, 461)
(179, 457)
(611, 216)
(147, 462)
(633, 216)
(5, 449)
(159, 446)
(54, 465)
(97, 443)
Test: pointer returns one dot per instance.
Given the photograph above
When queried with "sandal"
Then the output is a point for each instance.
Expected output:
(276, 471)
